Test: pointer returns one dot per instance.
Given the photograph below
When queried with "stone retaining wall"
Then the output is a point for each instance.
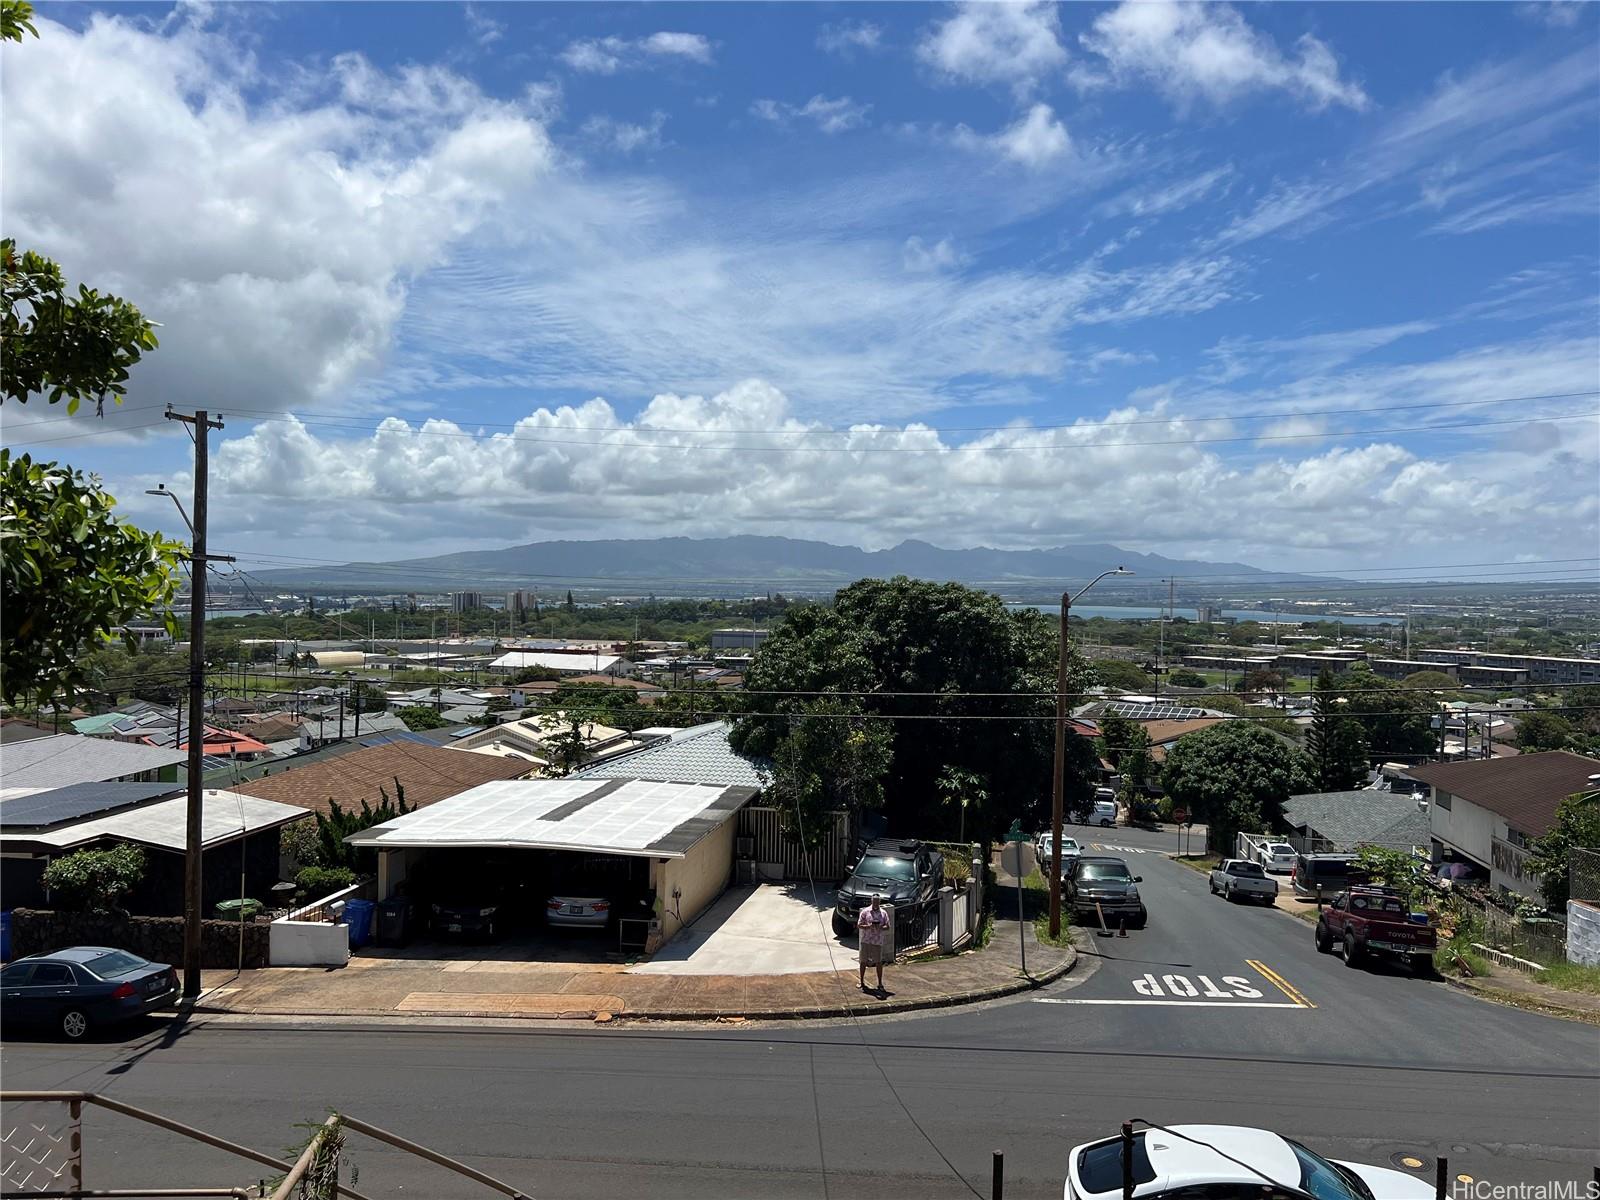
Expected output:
(37, 931)
(1583, 933)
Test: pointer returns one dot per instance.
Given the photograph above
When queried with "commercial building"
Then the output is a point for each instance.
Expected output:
(563, 662)
(724, 640)
(1541, 668)
(1489, 811)
(465, 601)
(1401, 668)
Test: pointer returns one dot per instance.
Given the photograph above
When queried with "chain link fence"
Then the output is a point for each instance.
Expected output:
(1583, 874)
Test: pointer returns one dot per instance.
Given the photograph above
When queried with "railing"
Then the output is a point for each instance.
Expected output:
(1543, 944)
(41, 1154)
(319, 910)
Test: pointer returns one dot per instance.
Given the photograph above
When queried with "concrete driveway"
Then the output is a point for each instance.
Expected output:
(768, 929)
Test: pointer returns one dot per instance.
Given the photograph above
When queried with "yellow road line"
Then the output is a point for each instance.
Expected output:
(1279, 982)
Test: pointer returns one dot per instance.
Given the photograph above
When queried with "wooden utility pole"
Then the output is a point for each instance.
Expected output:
(1058, 784)
(193, 842)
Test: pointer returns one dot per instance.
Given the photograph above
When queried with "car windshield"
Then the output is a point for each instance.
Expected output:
(1106, 871)
(114, 963)
(1324, 1180)
(1069, 843)
(879, 867)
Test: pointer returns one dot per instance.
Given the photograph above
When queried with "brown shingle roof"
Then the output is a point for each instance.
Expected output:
(427, 773)
(1525, 790)
(1163, 730)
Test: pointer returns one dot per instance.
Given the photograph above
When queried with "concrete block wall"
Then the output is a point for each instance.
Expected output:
(1583, 932)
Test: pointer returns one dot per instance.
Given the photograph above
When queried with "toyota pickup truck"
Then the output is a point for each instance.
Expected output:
(1375, 920)
(1242, 879)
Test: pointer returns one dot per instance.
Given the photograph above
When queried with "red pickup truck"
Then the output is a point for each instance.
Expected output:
(1375, 920)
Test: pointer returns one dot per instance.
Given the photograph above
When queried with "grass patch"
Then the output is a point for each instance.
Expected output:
(1452, 955)
(1570, 977)
(1041, 930)
(1203, 863)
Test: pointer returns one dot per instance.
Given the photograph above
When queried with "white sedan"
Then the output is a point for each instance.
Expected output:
(1278, 857)
(1231, 1161)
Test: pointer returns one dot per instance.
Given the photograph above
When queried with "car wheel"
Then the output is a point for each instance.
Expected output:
(1352, 952)
(916, 930)
(74, 1024)
(1422, 964)
(1324, 942)
(1212, 884)
(1142, 919)
(841, 927)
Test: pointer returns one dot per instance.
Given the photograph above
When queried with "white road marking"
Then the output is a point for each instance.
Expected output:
(1175, 1003)
(1121, 849)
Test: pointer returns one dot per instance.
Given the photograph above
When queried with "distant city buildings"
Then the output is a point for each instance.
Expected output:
(465, 601)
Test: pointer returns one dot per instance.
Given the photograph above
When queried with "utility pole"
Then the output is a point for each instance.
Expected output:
(198, 560)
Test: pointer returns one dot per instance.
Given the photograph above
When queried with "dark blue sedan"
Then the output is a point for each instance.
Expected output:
(77, 989)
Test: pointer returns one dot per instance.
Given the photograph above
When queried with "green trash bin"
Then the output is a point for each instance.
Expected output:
(239, 910)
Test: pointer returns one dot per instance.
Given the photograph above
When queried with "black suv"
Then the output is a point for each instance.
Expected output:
(1103, 885)
(906, 874)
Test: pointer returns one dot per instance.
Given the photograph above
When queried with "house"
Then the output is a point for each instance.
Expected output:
(529, 739)
(699, 754)
(321, 729)
(20, 729)
(239, 835)
(63, 759)
(1347, 820)
(666, 850)
(1490, 810)
(425, 772)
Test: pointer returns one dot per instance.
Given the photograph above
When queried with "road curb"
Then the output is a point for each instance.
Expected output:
(819, 1012)
(1487, 991)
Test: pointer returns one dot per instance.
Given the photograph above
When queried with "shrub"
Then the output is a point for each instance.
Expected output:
(301, 842)
(1188, 679)
(95, 880)
(316, 882)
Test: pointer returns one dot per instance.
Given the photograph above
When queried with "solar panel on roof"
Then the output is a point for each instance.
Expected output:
(59, 805)
(1154, 712)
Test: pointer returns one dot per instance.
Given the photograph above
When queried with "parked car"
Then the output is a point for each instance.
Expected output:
(1318, 875)
(1376, 920)
(1098, 885)
(1242, 879)
(1104, 812)
(1070, 851)
(586, 891)
(77, 989)
(1043, 845)
(905, 873)
(467, 912)
(1228, 1161)
(1278, 857)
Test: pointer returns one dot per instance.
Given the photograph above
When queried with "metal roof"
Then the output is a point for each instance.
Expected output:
(26, 808)
(69, 758)
(700, 754)
(225, 816)
(579, 662)
(636, 817)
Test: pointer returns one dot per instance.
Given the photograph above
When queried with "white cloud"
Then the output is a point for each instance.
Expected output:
(1156, 200)
(837, 115)
(740, 459)
(996, 41)
(846, 37)
(276, 242)
(485, 29)
(624, 136)
(1581, 204)
(608, 55)
(918, 256)
(1558, 14)
(1036, 140)
(1207, 51)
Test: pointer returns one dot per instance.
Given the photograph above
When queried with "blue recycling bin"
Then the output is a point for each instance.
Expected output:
(358, 916)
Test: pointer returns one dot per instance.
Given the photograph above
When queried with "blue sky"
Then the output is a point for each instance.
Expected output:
(1274, 283)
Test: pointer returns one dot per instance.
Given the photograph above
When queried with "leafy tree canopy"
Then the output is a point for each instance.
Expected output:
(1187, 679)
(1577, 826)
(420, 716)
(95, 880)
(1336, 742)
(1120, 675)
(1234, 776)
(1395, 720)
(1542, 730)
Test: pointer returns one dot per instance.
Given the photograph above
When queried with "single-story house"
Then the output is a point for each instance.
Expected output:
(699, 754)
(528, 739)
(1351, 819)
(425, 772)
(237, 833)
(67, 758)
(1490, 810)
(320, 729)
(665, 850)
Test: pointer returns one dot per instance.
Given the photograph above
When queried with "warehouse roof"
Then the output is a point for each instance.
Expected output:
(67, 758)
(635, 817)
(1525, 789)
(519, 660)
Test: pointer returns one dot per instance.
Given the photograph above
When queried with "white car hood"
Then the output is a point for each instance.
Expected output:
(1390, 1185)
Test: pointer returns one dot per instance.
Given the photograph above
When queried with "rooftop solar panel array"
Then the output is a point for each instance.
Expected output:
(39, 810)
(1153, 712)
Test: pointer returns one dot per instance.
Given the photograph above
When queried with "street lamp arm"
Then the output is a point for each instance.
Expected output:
(1097, 579)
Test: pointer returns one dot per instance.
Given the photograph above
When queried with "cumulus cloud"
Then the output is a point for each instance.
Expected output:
(485, 30)
(608, 55)
(996, 41)
(1207, 51)
(625, 137)
(741, 459)
(275, 243)
(846, 37)
(837, 115)
(1036, 140)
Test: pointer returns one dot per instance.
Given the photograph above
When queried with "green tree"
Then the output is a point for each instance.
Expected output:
(1431, 681)
(1397, 722)
(1396, 869)
(1120, 675)
(1260, 682)
(1577, 826)
(95, 880)
(223, 651)
(913, 656)
(71, 573)
(1234, 776)
(568, 747)
(337, 824)
(420, 716)
(1186, 679)
(1125, 745)
(368, 698)
(961, 790)
(833, 759)
(1543, 730)
(1335, 742)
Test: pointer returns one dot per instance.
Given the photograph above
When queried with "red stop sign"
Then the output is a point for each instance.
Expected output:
(1180, 816)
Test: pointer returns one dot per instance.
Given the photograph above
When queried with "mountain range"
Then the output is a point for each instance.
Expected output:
(747, 564)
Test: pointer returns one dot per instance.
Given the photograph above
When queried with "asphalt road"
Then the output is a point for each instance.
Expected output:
(1361, 1064)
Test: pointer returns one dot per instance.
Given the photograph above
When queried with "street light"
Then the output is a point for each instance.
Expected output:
(161, 490)
(1058, 786)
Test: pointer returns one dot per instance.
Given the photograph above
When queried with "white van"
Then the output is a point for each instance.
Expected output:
(1103, 813)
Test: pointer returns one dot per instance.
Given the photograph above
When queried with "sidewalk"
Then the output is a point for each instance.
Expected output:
(390, 987)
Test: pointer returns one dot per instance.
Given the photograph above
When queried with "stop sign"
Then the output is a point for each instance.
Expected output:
(1180, 816)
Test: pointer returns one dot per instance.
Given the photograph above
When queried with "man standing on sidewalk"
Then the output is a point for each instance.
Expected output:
(872, 926)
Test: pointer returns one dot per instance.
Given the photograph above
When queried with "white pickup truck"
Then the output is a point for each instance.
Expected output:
(1241, 879)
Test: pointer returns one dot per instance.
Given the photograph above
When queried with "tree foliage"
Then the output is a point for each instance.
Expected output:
(70, 574)
(1234, 776)
(1396, 721)
(1186, 679)
(1335, 742)
(95, 880)
(833, 758)
(1120, 675)
(337, 824)
(420, 716)
(908, 655)
(1543, 730)
(1577, 826)
(368, 698)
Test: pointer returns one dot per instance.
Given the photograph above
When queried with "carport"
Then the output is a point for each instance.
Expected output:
(671, 843)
